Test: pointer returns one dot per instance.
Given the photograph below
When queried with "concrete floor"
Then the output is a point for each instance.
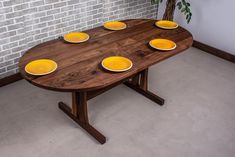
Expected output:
(198, 119)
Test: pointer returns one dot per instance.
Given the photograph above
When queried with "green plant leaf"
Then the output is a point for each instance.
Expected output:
(188, 9)
(183, 10)
(179, 4)
(189, 19)
(184, 7)
(187, 16)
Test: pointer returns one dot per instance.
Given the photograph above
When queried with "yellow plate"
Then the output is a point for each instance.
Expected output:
(115, 25)
(162, 44)
(76, 37)
(166, 24)
(117, 64)
(41, 67)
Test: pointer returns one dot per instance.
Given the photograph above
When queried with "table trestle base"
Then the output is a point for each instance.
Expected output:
(79, 112)
(84, 124)
(139, 83)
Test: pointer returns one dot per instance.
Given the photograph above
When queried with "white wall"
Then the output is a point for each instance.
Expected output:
(213, 22)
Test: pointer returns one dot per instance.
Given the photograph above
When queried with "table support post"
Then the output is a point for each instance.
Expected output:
(142, 87)
(80, 115)
(144, 80)
(74, 104)
(136, 80)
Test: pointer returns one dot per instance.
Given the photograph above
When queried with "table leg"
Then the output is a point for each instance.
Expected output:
(74, 104)
(141, 86)
(144, 80)
(136, 80)
(80, 115)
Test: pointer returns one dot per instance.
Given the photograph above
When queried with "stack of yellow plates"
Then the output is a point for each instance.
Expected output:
(162, 44)
(41, 67)
(117, 64)
(115, 25)
(76, 37)
(165, 24)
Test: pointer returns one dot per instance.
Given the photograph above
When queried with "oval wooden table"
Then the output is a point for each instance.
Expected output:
(80, 72)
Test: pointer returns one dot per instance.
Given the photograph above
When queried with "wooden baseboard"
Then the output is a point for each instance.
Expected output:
(196, 44)
(10, 79)
(214, 51)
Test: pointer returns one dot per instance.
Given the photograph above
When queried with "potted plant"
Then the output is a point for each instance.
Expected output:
(182, 5)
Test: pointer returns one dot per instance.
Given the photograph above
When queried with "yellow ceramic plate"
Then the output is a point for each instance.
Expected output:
(162, 44)
(41, 67)
(76, 37)
(166, 24)
(115, 25)
(117, 64)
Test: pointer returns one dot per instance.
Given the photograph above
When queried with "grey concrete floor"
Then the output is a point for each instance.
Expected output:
(197, 120)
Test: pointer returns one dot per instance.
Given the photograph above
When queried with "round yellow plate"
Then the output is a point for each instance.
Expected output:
(41, 67)
(76, 37)
(162, 44)
(117, 63)
(115, 25)
(165, 24)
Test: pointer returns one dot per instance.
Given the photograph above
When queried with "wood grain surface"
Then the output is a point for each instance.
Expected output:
(79, 66)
